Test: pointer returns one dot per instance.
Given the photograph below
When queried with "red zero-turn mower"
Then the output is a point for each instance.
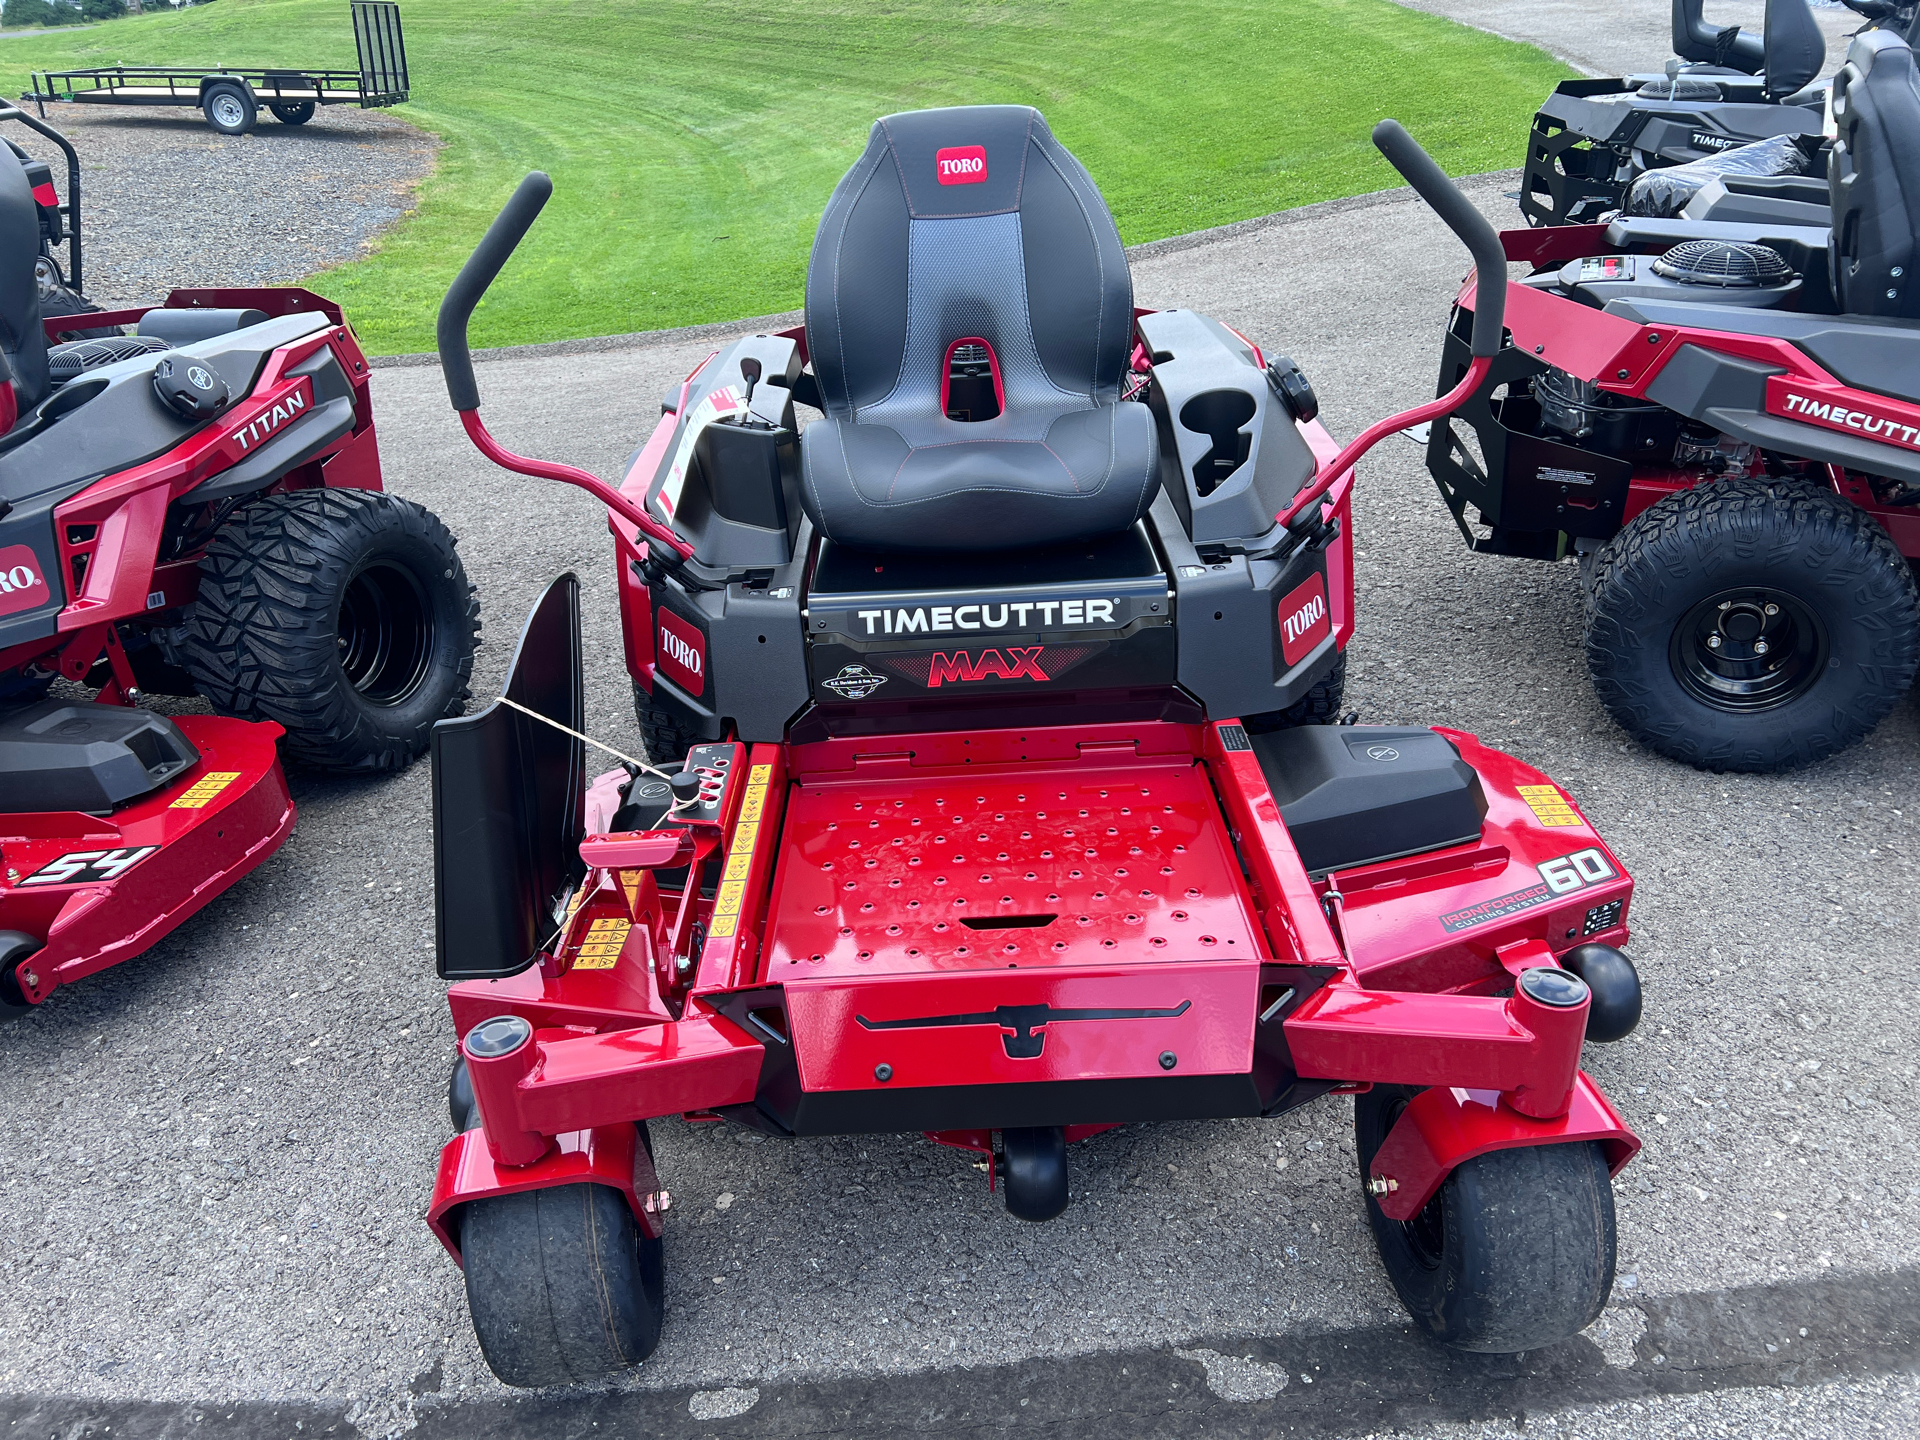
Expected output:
(964, 827)
(193, 507)
(1721, 419)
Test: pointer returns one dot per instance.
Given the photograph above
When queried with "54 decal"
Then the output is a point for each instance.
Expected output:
(1577, 871)
(78, 867)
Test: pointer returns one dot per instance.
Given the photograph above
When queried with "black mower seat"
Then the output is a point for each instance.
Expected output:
(962, 239)
(1874, 178)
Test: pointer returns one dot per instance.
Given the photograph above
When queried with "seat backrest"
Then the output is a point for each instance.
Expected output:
(1694, 39)
(1795, 47)
(966, 223)
(1873, 178)
(23, 343)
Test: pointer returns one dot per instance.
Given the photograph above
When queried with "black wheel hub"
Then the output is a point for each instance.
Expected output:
(1749, 649)
(385, 633)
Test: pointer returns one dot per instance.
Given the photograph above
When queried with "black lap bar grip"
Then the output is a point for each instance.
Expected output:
(509, 228)
(1489, 259)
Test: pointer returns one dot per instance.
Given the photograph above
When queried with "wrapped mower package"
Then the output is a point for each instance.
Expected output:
(1666, 192)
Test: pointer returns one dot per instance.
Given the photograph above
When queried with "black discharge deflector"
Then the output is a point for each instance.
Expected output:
(1355, 794)
(56, 755)
(507, 792)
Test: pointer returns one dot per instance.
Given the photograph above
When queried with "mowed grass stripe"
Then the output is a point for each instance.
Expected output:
(693, 145)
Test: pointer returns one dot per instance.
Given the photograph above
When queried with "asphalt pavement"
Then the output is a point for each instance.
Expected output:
(217, 1155)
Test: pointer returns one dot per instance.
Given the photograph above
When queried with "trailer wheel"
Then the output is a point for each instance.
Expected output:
(667, 737)
(15, 946)
(344, 616)
(1515, 1251)
(562, 1284)
(297, 113)
(1752, 624)
(1319, 706)
(228, 109)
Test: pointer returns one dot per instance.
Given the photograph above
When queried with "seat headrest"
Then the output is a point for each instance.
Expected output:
(969, 160)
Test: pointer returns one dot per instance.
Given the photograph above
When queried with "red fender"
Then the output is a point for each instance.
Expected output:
(1443, 1128)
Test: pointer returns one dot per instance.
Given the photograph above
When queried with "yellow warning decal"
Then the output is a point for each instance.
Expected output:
(604, 941)
(1549, 806)
(746, 834)
(205, 790)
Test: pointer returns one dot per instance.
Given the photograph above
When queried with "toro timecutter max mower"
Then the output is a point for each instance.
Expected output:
(1720, 418)
(193, 507)
(982, 808)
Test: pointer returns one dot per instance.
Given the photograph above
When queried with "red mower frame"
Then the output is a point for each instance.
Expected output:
(988, 931)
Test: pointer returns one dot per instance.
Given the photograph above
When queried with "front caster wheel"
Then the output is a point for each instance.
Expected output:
(562, 1284)
(1515, 1250)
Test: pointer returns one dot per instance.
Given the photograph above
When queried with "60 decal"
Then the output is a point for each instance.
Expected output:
(1577, 871)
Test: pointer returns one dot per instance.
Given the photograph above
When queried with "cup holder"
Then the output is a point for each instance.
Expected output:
(1219, 414)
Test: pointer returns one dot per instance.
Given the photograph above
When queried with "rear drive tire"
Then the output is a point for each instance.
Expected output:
(1516, 1249)
(562, 1284)
(296, 114)
(667, 737)
(1319, 706)
(1754, 625)
(15, 946)
(228, 109)
(344, 616)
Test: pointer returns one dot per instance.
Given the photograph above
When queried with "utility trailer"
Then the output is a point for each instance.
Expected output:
(232, 96)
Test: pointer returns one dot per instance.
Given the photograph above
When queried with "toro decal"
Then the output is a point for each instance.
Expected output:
(1887, 422)
(682, 652)
(284, 409)
(22, 585)
(961, 165)
(1304, 619)
(78, 867)
(1558, 878)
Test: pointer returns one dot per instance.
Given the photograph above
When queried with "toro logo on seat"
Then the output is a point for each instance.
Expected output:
(22, 585)
(961, 165)
(1304, 621)
(682, 653)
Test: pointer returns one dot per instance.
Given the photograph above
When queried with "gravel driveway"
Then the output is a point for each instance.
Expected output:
(167, 201)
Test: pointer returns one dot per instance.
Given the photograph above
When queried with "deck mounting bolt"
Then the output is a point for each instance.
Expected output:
(1168, 1059)
(1381, 1185)
(883, 1072)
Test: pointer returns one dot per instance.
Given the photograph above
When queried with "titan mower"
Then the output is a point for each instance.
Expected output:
(1721, 420)
(979, 803)
(1593, 138)
(194, 507)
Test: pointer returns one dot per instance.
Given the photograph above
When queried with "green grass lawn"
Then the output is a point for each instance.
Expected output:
(693, 143)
